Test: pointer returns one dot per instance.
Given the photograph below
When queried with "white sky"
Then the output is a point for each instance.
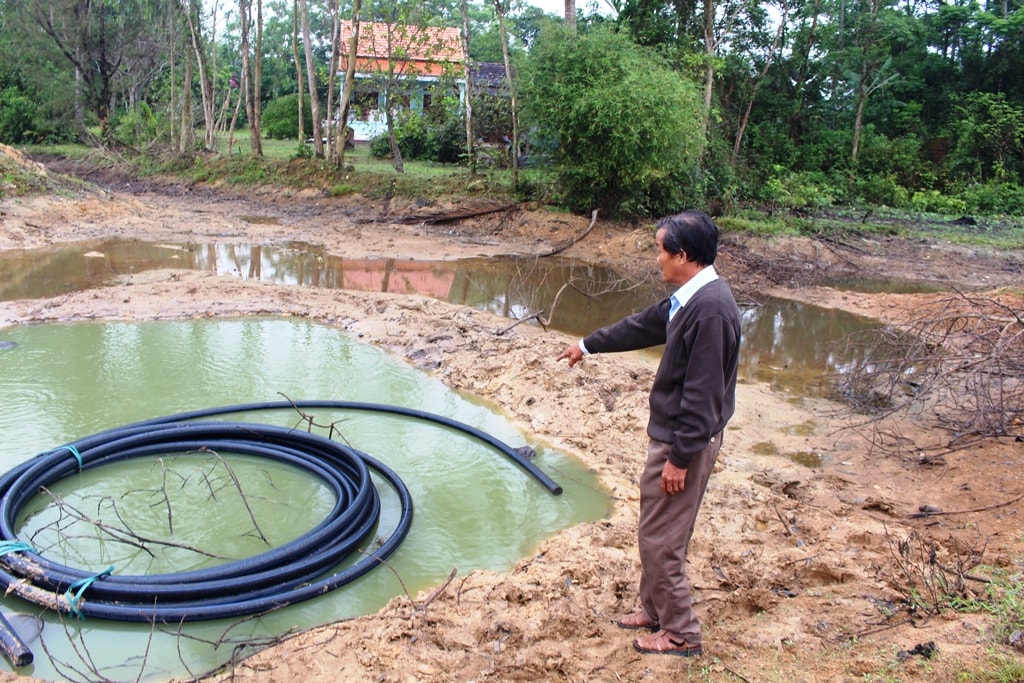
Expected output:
(557, 7)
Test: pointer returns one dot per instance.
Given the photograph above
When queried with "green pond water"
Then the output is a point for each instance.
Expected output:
(474, 508)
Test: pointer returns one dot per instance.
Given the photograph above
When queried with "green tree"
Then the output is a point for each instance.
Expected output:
(626, 127)
(112, 48)
(989, 136)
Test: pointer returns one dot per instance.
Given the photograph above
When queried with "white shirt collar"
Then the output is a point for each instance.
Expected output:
(683, 295)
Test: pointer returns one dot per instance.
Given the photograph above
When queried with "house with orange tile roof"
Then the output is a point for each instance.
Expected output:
(406, 59)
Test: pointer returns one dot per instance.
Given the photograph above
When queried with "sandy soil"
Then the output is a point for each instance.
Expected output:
(798, 570)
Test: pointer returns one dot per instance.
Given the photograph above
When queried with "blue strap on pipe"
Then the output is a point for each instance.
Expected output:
(74, 452)
(7, 547)
(74, 597)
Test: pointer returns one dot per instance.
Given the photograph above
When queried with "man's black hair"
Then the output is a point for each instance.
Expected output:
(693, 232)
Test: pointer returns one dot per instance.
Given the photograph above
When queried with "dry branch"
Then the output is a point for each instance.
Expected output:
(559, 250)
(957, 364)
(450, 215)
(987, 508)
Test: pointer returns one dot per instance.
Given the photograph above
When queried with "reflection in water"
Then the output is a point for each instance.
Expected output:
(789, 344)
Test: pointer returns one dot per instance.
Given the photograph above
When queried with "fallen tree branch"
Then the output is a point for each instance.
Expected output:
(558, 250)
(435, 217)
(936, 513)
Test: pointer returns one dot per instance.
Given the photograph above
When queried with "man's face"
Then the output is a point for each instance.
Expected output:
(672, 265)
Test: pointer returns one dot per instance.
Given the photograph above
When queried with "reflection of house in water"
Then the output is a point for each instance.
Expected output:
(397, 277)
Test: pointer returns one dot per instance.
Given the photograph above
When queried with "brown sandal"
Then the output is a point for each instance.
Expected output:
(637, 621)
(661, 643)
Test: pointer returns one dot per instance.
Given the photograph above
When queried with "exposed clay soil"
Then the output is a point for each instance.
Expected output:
(794, 566)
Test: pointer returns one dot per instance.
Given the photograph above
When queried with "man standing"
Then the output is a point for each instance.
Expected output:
(692, 398)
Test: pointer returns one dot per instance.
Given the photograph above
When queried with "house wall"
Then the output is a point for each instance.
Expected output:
(370, 123)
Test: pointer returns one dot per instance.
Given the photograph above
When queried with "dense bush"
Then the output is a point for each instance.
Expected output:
(16, 114)
(441, 139)
(881, 189)
(139, 127)
(933, 201)
(993, 198)
(786, 189)
(628, 129)
(280, 118)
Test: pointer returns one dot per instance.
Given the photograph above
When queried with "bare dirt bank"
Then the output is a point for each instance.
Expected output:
(796, 568)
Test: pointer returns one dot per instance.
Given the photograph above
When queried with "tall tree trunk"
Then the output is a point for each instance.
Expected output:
(468, 101)
(858, 117)
(298, 70)
(570, 14)
(254, 106)
(199, 49)
(314, 100)
(245, 20)
(187, 137)
(172, 66)
(234, 116)
(222, 116)
(709, 52)
(332, 126)
(800, 82)
(350, 81)
(389, 116)
(745, 119)
(514, 151)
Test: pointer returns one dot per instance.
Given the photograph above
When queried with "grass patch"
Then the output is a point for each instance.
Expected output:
(758, 225)
(19, 176)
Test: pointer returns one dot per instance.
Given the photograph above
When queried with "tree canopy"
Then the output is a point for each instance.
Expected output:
(790, 102)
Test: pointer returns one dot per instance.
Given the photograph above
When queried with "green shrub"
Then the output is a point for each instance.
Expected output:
(414, 137)
(442, 140)
(882, 189)
(380, 147)
(799, 190)
(16, 114)
(933, 201)
(342, 190)
(140, 126)
(993, 198)
(628, 130)
(280, 118)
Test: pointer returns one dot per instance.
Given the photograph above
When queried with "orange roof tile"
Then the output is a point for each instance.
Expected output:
(405, 43)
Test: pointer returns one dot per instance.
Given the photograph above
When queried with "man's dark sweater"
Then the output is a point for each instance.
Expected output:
(694, 390)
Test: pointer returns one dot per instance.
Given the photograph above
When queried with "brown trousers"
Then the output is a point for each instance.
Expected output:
(666, 526)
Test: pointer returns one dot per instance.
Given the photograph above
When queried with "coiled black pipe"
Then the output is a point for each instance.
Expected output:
(281, 576)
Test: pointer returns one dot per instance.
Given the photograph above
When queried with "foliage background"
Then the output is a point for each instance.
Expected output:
(639, 110)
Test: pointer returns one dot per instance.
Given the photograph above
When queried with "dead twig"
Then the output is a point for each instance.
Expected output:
(440, 589)
(785, 525)
(958, 363)
(241, 494)
(311, 422)
(122, 535)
